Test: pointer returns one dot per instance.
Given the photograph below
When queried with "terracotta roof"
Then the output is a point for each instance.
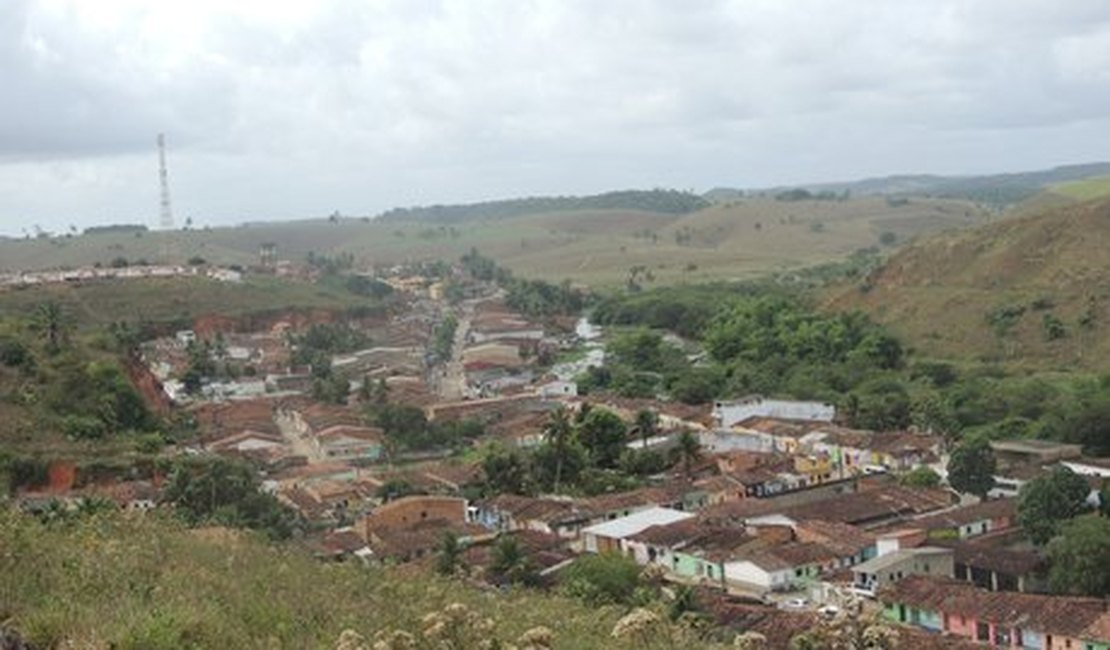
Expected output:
(1057, 615)
(1003, 560)
(872, 506)
(338, 432)
(672, 534)
(992, 509)
(844, 539)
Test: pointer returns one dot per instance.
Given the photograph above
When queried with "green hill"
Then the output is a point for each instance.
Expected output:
(1034, 290)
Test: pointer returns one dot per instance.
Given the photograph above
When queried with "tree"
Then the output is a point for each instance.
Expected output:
(1104, 498)
(509, 563)
(602, 579)
(647, 425)
(224, 492)
(1048, 500)
(971, 468)
(558, 431)
(689, 450)
(506, 472)
(52, 323)
(921, 477)
(603, 434)
(1080, 557)
(449, 559)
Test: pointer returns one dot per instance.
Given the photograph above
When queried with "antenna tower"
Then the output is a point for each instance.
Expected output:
(163, 179)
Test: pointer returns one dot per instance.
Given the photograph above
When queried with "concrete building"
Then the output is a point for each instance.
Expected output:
(885, 570)
(728, 412)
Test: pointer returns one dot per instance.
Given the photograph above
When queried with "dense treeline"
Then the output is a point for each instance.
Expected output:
(658, 200)
(757, 339)
(535, 298)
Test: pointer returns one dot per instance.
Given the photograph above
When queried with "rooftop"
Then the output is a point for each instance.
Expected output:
(636, 522)
(897, 557)
(1060, 615)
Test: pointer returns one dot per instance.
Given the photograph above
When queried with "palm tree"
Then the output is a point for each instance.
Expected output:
(51, 321)
(647, 422)
(557, 431)
(689, 449)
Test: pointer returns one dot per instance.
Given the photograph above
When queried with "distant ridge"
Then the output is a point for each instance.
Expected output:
(997, 189)
(658, 200)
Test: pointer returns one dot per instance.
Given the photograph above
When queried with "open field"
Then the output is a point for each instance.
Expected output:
(174, 299)
(733, 239)
(1084, 190)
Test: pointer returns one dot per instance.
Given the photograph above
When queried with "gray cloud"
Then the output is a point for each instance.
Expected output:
(286, 109)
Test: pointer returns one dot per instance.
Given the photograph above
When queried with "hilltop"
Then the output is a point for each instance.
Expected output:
(598, 246)
(1034, 288)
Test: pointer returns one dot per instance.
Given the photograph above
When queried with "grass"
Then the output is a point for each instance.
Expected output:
(937, 294)
(174, 299)
(732, 240)
(1084, 190)
(146, 582)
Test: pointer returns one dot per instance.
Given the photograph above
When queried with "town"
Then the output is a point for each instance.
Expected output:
(436, 429)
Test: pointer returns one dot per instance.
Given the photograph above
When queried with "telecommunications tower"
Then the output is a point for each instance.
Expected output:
(163, 178)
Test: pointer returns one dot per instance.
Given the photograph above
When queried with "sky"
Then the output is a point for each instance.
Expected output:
(277, 110)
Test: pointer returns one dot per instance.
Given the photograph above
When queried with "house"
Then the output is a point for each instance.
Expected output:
(970, 521)
(998, 568)
(1037, 451)
(726, 413)
(780, 568)
(1002, 618)
(885, 570)
(554, 389)
(344, 441)
(610, 535)
(411, 510)
(511, 512)
(1086, 466)
(247, 441)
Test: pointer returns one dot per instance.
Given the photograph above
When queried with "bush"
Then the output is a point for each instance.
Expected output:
(604, 579)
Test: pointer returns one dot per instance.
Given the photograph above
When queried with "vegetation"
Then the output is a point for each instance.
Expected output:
(664, 201)
(217, 491)
(971, 468)
(605, 579)
(1047, 501)
(407, 428)
(1078, 557)
(108, 580)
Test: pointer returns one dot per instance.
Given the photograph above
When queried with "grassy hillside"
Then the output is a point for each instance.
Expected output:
(1084, 190)
(1033, 290)
(148, 583)
(174, 299)
(733, 239)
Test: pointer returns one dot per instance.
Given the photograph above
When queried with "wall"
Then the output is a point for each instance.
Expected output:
(407, 511)
(729, 413)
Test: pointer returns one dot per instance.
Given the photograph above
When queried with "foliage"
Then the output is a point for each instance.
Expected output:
(327, 339)
(662, 201)
(144, 582)
(921, 477)
(604, 436)
(603, 579)
(1079, 558)
(213, 490)
(971, 468)
(1048, 500)
(506, 471)
(362, 285)
(443, 338)
(409, 428)
(510, 564)
(449, 556)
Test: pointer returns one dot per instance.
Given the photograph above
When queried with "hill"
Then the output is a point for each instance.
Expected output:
(734, 239)
(1034, 288)
(662, 201)
(995, 189)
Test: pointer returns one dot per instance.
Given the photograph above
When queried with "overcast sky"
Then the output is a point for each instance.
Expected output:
(286, 109)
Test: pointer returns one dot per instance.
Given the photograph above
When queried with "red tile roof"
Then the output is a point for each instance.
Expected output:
(1056, 615)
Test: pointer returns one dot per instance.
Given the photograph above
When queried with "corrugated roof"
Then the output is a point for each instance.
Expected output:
(636, 522)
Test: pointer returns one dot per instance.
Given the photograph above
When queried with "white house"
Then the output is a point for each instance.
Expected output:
(729, 412)
(609, 535)
(558, 389)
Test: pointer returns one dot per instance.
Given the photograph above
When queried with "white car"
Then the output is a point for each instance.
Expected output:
(795, 603)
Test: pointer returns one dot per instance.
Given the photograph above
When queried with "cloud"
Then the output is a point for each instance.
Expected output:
(287, 108)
